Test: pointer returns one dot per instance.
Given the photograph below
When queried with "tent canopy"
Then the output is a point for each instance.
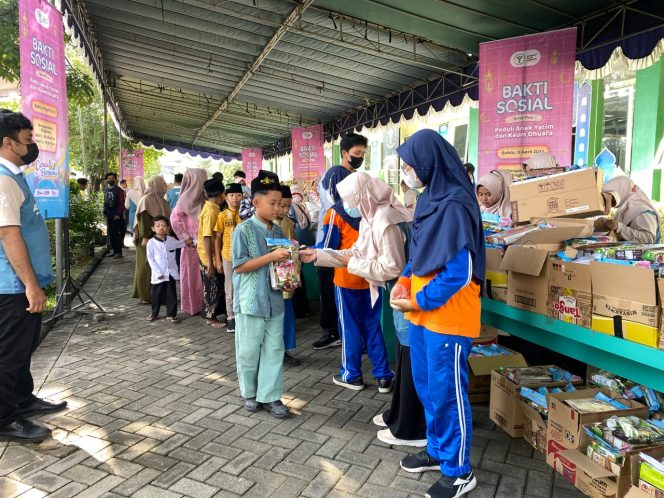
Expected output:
(218, 76)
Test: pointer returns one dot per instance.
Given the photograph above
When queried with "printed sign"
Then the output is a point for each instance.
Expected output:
(526, 99)
(131, 165)
(252, 162)
(308, 152)
(44, 102)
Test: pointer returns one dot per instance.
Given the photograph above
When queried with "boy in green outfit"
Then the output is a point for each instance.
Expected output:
(259, 310)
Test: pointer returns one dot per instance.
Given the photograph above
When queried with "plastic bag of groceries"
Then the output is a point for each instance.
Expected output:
(285, 275)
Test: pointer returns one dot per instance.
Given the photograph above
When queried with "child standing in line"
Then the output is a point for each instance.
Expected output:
(227, 220)
(259, 310)
(213, 283)
(161, 258)
(288, 227)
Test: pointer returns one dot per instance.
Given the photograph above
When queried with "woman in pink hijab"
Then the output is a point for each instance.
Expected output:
(184, 220)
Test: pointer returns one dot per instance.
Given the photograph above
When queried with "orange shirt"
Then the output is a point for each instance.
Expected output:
(459, 316)
(347, 237)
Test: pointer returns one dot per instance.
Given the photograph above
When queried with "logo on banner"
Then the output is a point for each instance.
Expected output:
(524, 58)
(307, 135)
(42, 18)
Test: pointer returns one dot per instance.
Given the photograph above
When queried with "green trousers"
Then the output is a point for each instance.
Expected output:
(259, 354)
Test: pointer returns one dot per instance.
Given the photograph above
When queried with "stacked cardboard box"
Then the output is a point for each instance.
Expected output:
(576, 193)
(505, 406)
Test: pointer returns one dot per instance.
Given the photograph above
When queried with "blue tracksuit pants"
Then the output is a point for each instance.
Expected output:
(359, 324)
(289, 325)
(440, 372)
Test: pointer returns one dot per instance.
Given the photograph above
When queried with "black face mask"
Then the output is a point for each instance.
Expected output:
(31, 155)
(111, 183)
(355, 162)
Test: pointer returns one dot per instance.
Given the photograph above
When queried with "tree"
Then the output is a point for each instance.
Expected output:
(151, 164)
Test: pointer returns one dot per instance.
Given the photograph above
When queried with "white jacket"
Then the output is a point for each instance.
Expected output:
(161, 258)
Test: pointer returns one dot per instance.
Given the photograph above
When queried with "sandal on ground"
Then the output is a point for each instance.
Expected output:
(151, 318)
(144, 302)
(173, 319)
(215, 324)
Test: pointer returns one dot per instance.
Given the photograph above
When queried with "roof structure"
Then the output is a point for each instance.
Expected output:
(216, 76)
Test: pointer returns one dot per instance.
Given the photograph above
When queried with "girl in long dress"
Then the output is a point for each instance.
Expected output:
(184, 221)
(152, 204)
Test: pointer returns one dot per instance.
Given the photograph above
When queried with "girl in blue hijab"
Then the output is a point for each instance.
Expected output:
(440, 291)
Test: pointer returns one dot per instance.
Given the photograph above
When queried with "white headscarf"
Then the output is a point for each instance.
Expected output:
(379, 208)
(542, 160)
(137, 190)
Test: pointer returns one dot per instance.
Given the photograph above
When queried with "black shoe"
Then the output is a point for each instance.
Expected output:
(231, 326)
(110, 254)
(24, 431)
(452, 487)
(289, 361)
(277, 409)
(384, 385)
(117, 256)
(419, 462)
(251, 405)
(41, 407)
(327, 341)
(355, 385)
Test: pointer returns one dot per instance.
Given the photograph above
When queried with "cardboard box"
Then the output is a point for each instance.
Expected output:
(505, 402)
(527, 286)
(573, 194)
(570, 292)
(632, 331)
(626, 291)
(635, 492)
(534, 427)
(595, 480)
(564, 428)
(495, 279)
(479, 373)
(552, 239)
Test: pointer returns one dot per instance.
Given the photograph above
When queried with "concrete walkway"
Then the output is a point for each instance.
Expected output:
(155, 411)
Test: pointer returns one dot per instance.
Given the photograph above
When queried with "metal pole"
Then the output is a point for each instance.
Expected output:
(58, 256)
(105, 137)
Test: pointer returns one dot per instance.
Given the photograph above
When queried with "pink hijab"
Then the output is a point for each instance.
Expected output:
(192, 195)
(497, 182)
(379, 208)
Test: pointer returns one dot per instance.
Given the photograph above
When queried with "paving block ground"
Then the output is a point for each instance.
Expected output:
(155, 412)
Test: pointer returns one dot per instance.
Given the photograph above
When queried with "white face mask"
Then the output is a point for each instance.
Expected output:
(411, 179)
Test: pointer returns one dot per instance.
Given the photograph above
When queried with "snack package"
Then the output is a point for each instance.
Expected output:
(285, 275)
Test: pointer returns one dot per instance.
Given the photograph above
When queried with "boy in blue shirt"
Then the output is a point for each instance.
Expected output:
(259, 310)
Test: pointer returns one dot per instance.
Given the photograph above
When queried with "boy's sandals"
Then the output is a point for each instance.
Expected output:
(151, 318)
(215, 324)
(173, 319)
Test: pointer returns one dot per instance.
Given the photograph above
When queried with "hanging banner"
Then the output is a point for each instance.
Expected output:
(132, 164)
(526, 99)
(252, 162)
(44, 102)
(308, 152)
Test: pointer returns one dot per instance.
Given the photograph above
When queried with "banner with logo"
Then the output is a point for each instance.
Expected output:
(44, 102)
(526, 99)
(252, 162)
(132, 164)
(308, 152)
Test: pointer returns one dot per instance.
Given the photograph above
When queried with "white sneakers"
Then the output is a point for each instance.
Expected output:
(386, 436)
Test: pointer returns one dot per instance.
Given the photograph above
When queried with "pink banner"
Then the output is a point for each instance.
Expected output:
(252, 162)
(308, 152)
(44, 102)
(526, 99)
(132, 165)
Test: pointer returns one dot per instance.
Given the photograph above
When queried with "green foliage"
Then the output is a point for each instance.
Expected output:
(151, 164)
